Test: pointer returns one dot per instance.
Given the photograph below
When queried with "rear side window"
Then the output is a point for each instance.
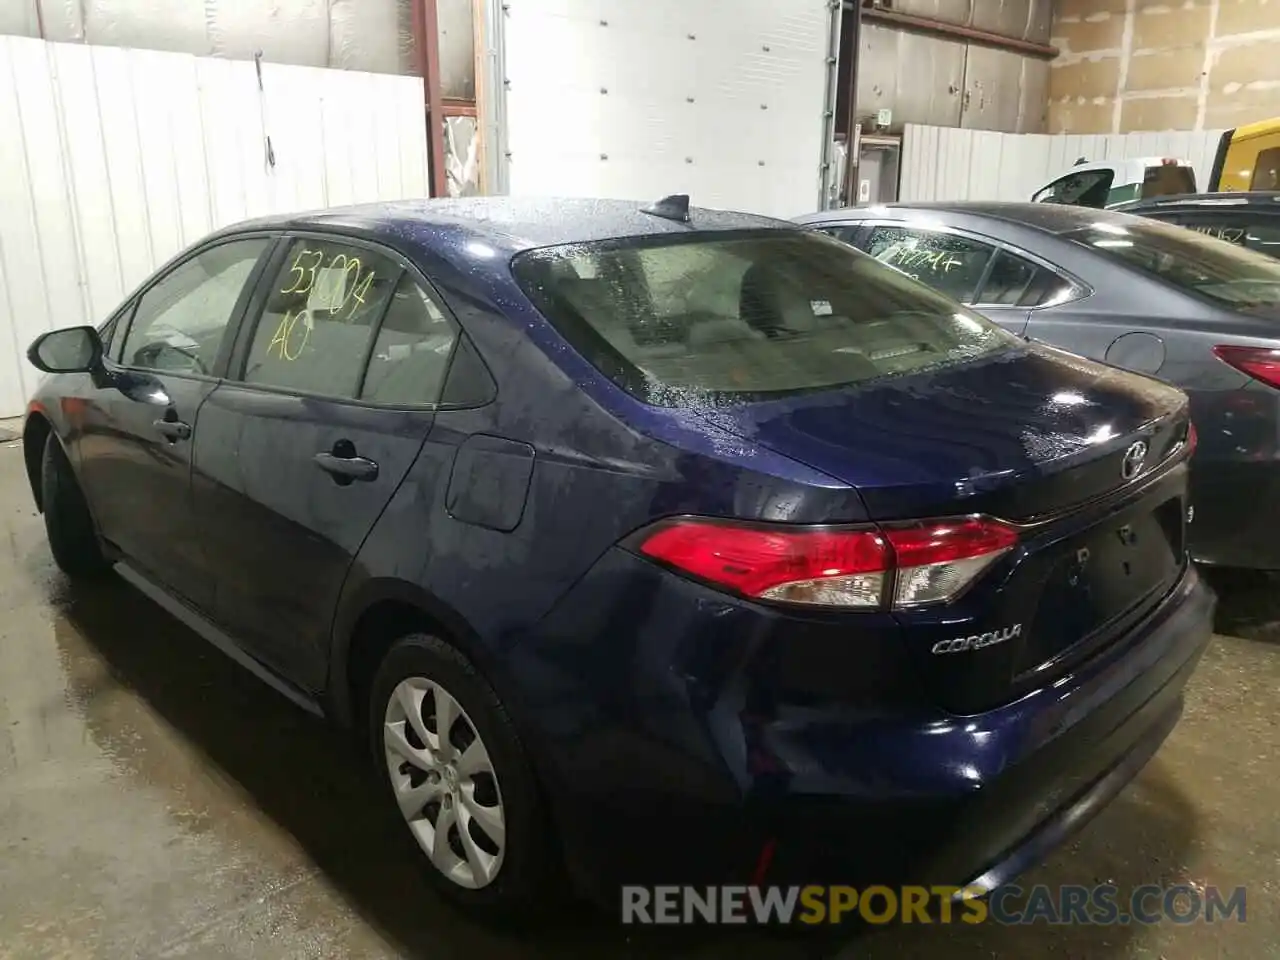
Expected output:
(315, 330)
(411, 354)
(951, 264)
(1016, 282)
(1229, 275)
(1266, 170)
(691, 321)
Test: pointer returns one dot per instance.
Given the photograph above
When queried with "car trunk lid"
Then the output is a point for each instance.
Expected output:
(1081, 456)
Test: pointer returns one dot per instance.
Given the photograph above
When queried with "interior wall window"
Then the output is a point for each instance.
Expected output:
(411, 355)
(180, 322)
(317, 323)
(950, 264)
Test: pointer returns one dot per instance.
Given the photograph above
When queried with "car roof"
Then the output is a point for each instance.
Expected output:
(511, 224)
(1053, 218)
(1254, 198)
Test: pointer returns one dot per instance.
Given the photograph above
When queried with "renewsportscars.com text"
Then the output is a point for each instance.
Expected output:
(1007, 905)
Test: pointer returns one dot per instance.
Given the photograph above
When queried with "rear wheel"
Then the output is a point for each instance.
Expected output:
(67, 522)
(459, 778)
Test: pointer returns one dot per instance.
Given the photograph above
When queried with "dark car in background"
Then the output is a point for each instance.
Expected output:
(1249, 220)
(1133, 292)
(668, 545)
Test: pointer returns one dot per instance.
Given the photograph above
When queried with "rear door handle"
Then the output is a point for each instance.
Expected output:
(173, 429)
(345, 470)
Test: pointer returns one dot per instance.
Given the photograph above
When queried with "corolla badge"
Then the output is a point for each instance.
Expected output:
(1131, 465)
(978, 640)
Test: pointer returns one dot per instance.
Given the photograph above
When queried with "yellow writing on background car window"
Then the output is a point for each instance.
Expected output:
(939, 261)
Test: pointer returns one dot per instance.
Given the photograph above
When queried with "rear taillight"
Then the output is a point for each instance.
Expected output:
(901, 565)
(1261, 363)
(1192, 438)
(936, 560)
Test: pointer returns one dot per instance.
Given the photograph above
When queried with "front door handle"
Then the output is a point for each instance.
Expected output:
(173, 429)
(345, 470)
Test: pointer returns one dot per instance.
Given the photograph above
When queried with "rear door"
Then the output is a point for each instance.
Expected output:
(329, 401)
(168, 350)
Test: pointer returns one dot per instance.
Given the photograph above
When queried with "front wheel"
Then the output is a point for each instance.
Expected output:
(67, 522)
(460, 778)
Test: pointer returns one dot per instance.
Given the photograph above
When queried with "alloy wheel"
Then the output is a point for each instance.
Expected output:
(444, 782)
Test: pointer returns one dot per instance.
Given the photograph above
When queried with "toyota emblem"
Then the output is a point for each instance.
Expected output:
(1131, 465)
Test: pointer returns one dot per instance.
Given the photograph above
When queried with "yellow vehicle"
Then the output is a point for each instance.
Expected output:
(1248, 158)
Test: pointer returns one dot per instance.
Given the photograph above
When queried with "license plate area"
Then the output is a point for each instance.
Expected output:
(1103, 574)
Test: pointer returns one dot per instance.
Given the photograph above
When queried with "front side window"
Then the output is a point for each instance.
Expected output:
(319, 317)
(1229, 275)
(944, 261)
(1088, 188)
(180, 322)
(713, 319)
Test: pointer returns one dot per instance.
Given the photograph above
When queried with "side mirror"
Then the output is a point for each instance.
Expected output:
(73, 350)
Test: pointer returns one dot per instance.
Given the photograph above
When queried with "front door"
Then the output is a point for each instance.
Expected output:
(296, 459)
(137, 430)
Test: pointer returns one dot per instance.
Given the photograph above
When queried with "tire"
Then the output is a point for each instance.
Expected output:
(512, 875)
(72, 537)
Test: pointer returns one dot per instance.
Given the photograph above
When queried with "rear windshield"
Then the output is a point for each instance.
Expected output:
(729, 318)
(1167, 180)
(1229, 275)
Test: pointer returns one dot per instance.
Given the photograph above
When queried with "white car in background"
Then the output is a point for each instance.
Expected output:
(1107, 183)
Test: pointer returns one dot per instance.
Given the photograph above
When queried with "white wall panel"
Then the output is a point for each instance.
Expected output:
(720, 99)
(114, 160)
(949, 163)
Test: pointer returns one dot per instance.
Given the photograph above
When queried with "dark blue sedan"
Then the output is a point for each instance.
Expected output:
(654, 545)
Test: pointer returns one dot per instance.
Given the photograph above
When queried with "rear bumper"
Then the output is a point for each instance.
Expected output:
(1237, 513)
(673, 752)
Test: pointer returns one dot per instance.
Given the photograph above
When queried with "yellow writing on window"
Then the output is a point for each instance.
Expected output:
(283, 341)
(939, 261)
(329, 289)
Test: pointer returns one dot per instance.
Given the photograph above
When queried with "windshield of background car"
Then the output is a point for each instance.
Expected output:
(1229, 275)
(723, 318)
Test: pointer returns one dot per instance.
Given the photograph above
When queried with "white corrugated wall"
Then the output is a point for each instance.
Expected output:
(721, 99)
(114, 159)
(949, 163)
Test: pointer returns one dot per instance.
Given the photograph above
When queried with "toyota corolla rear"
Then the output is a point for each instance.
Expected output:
(957, 625)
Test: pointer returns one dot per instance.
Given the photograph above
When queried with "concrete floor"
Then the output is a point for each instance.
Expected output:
(157, 801)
